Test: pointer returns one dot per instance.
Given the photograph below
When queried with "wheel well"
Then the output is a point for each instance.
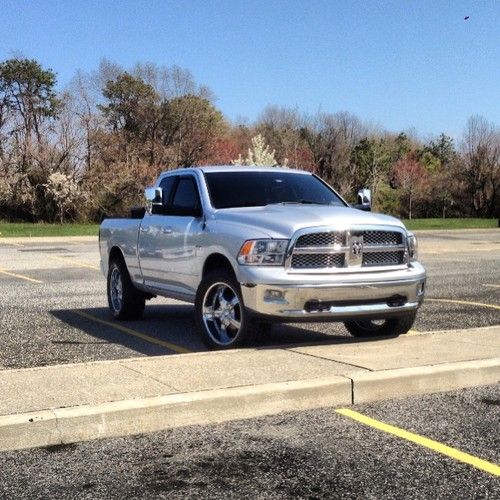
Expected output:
(217, 261)
(115, 254)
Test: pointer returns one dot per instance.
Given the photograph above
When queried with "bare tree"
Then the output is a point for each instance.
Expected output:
(481, 159)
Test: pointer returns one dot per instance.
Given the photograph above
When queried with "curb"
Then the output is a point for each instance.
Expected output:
(123, 418)
(403, 382)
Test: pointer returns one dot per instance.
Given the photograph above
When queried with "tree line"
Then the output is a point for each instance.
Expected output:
(89, 150)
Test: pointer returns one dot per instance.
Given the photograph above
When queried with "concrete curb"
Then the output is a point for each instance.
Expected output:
(398, 383)
(123, 418)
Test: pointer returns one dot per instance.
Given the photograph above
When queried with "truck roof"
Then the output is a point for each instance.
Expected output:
(239, 168)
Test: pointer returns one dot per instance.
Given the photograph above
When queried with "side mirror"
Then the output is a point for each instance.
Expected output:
(364, 201)
(153, 196)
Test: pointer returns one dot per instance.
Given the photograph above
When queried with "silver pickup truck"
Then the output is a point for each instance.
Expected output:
(250, 246)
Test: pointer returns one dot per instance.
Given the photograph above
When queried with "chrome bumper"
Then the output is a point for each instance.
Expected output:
(340, 300)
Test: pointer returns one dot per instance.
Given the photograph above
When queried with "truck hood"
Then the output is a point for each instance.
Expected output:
(281, 221)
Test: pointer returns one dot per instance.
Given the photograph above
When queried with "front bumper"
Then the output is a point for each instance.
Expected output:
(340, 298)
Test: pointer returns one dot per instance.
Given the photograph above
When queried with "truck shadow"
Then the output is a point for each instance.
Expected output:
(170, 329)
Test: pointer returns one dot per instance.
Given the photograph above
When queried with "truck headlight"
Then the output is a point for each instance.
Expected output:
(263, 252)
(412, 246)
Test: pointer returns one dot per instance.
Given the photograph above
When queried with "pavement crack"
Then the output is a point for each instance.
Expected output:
(161, 382)
(58, 429)
(329, 359)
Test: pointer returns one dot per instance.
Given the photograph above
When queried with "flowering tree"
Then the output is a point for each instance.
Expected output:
(64, 191)
(259, 154)
(411, 178)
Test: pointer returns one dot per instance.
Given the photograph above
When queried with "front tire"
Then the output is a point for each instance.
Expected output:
(389, 327)
(124, 300)
(220, 314)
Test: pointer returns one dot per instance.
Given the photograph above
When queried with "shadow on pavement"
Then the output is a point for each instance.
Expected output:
(174, 324)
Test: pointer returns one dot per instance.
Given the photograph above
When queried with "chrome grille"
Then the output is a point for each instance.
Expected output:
(320, 239)
(376, 238)
(315, 261)
(329, 250)
(383, 258)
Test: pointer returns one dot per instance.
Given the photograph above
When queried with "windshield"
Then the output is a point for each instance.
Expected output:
(255, 189)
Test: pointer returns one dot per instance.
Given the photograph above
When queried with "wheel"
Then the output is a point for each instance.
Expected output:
(125, 301)
(392, 327)
(220, 314)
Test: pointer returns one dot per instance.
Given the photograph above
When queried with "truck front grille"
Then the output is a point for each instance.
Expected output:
(320, 239)
(315, 261)
(354, 248)
(375, 238)
(383, 259)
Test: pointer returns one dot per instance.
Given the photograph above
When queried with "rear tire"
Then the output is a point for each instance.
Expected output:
(220, 315)
(124, 300)
(392, 327)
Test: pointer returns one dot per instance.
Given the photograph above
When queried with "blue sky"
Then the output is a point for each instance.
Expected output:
(401, 64)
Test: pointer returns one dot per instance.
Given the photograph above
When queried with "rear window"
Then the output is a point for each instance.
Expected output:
(254, 189)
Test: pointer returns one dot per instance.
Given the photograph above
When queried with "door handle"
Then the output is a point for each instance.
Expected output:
(166, 230)
(144, 229)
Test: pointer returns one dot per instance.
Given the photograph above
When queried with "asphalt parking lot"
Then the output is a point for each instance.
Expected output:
(313, 454)
(53, 306)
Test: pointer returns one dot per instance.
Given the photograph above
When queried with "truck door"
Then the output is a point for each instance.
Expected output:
(151, 235)
(174, 239)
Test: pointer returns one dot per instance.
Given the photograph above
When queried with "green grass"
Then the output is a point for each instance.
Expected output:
(450, 223)
(26, 229)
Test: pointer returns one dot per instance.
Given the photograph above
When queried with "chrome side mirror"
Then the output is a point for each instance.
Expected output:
(364, 201)
(153, 196)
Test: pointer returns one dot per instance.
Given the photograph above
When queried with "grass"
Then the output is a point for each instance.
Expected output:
(450, 223)
(27, 229)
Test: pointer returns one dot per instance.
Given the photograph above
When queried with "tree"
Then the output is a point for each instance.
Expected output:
(331, 138)
(371, 158)
(481, 163)
(64, 192)
(410, 178)
(190, 127)
(129, 104)
(259, 154)
(28, 98)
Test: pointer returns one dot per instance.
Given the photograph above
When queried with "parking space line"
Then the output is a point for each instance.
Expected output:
(458, 455)
(3, 242)
(73, 262)
(465, 302)
(491, 286)
(168, 345)
(19, 276)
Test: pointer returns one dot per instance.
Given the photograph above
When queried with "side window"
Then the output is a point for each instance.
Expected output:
(186, 194)
(166, 184)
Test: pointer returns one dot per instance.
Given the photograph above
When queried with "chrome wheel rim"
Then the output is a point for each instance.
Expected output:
(222, 314)
(116, 290)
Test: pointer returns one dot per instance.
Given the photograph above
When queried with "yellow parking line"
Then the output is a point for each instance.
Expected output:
(73, 261)
(461, 456)
(465, 302)
(19, 276)
(173, 347)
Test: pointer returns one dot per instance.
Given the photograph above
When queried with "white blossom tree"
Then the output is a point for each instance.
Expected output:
(259, 154)
(64, 191)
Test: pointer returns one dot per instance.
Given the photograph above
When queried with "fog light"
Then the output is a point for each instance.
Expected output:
(272, 295)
